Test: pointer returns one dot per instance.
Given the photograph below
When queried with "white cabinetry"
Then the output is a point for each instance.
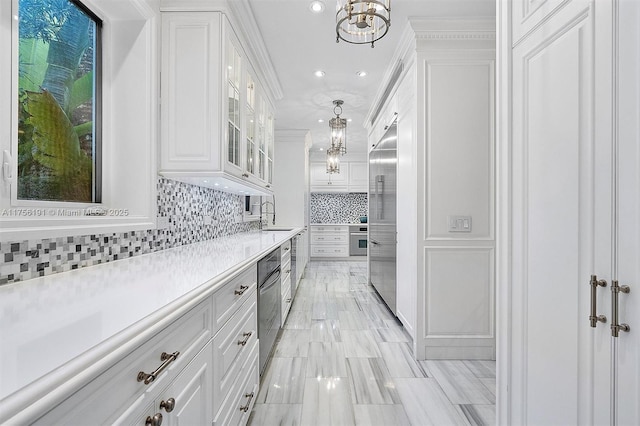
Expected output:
(321, 181)
(329, 241)
(352, 177)
(185, 374)
(447, 78)
(358, 177)
(291, 177)
(217, 121)
(285, 282)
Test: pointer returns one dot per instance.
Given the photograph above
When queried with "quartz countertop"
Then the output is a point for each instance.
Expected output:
(54, 325)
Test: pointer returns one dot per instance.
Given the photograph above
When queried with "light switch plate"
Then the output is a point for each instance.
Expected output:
(459, 223)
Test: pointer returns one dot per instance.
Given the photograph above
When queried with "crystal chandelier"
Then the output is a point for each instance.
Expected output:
(362, 22)
(333, 160)
(338, 128)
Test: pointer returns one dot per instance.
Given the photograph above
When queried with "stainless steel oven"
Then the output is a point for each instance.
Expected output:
(358, 240)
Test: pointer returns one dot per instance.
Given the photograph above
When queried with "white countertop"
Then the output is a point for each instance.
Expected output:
(52, 325)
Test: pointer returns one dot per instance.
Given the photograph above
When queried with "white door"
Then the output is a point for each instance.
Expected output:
(566, 187)
(626, 348)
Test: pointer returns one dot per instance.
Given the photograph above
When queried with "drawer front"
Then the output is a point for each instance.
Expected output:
(286, 303)
(239, 403)
(286, 267)
(232, 346)
(117, 389)
(329, 251)
(229, 298)
(330, 239)
(340, 229)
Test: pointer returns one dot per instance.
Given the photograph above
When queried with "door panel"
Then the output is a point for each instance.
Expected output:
(557, 217)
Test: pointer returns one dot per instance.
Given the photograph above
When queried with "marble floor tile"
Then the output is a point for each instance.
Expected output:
(326, 360)
(426, 404)
(324, 310)
(325, 331)
(283, 381)
(360, 344)
(352, 321)
(399, 360)
(480, 415)
(292, 343)
(298, 320)
(490, 384)
(459, 383)
(380, 415)
(370, 382)
(347, 303)
(276, 414)
(482, 368)
(390, 334)
(327, 402)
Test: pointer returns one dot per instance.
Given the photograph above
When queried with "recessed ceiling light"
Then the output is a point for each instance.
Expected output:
(361, 73)
(349, 120)
(316, 6)
(216, 184)
(319, 73)
(320, 120)
(321, 149)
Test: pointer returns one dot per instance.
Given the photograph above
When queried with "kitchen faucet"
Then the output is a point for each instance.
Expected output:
(267, 212)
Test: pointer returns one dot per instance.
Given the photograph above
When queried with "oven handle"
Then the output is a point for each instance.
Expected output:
(358, 233)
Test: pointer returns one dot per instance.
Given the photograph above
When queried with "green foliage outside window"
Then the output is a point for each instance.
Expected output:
(58, 131)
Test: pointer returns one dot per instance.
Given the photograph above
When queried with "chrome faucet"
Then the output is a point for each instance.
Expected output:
(267, 212)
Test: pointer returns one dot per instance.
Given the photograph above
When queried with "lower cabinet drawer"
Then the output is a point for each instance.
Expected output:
(329, 251)
(286, 302)
(239, 403)
(112, 393)
(329, 238)
(228, 299)
(232, 347)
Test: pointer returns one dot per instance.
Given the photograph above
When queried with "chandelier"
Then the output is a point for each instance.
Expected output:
(338, 128)
(362, 22)
(333, 160)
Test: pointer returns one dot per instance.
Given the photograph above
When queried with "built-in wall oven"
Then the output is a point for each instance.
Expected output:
(358, 240)
(269, 299)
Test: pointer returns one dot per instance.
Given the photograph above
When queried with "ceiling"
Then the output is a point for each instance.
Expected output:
(300, 42)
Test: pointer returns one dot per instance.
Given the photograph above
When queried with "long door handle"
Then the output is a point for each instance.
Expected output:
(594, 318)
(616, 289)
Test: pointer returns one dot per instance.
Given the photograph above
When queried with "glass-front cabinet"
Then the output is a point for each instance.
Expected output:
(217, 117)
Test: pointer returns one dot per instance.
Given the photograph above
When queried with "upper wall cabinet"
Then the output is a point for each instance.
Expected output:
(352, 177)
(217, 122)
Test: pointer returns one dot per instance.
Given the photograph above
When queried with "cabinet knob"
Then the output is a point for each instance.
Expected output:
(168, 405)
(156, 420)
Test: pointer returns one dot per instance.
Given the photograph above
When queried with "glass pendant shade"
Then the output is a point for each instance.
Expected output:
(362, 22)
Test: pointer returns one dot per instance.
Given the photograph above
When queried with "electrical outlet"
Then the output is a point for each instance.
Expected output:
(162, 222)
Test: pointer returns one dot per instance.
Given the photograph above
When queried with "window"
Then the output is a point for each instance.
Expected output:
(59, 132)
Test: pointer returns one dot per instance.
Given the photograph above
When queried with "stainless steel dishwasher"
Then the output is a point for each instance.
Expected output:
(269, 299)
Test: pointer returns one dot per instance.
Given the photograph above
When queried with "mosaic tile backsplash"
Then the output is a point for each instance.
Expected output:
(338, 208)
(185, 205)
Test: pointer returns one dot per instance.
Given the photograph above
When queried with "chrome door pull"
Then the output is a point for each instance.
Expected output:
(594, 318)
(150, 377)
(616, 289)
(245, 408)
(240, 292)
(246, 338)
(156, 420)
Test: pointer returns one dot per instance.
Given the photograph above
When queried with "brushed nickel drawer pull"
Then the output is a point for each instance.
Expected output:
(246, 338)
(168, 405)
(156, 420)
(167, 359)
(245, 408)
(240, 292)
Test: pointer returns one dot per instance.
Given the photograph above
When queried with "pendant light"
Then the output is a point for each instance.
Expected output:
(338, 128)
(333, 160)
(362, 21)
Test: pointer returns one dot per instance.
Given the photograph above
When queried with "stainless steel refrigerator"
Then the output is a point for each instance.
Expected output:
(383, 160)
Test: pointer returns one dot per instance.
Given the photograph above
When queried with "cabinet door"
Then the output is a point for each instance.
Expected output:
(321, 181)
(250, 127)
(233, 90)
(358, 181)
(191, 78)
(187, 401)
